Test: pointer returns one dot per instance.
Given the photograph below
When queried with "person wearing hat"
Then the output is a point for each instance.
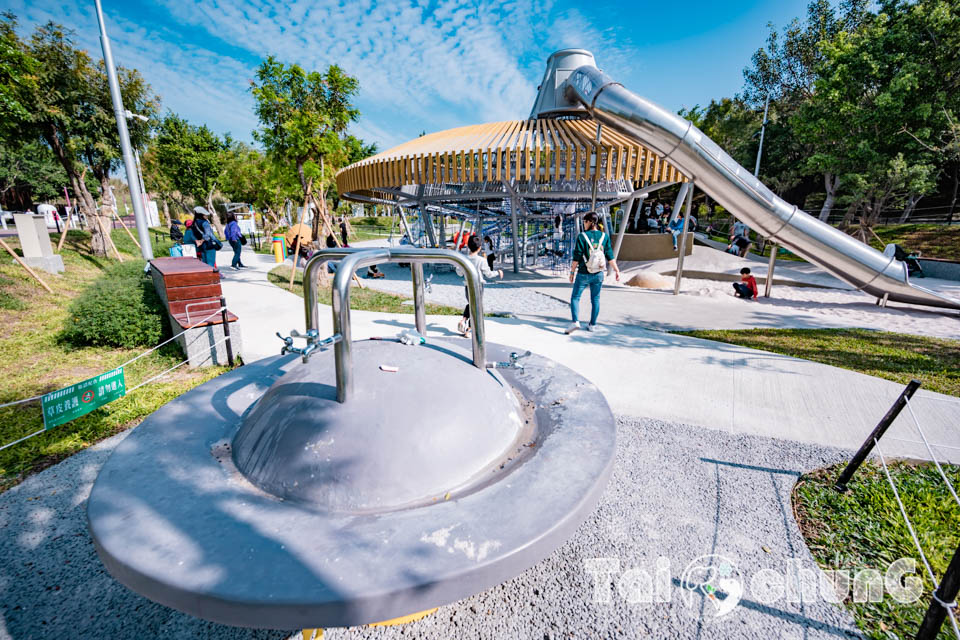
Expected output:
(207, 242)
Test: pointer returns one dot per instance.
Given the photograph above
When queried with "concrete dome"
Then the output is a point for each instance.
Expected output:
(439, 425)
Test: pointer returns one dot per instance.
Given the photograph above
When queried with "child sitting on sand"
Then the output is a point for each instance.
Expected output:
(747, 287)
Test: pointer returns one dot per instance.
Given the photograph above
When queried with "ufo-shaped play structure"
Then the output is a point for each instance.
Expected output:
(349, 482)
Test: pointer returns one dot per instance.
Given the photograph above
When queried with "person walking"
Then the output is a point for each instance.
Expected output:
(344, 235)
(234, 237)
(591, 255)
(474, 246)
(491, 251)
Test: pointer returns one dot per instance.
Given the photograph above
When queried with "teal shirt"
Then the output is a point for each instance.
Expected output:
(581, 250)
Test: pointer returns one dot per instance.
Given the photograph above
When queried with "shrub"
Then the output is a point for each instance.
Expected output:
(120, 309)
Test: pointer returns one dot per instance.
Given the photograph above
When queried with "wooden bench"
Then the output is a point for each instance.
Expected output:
(190, 290)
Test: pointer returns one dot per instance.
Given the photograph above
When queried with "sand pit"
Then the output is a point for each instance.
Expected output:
(842, 307)
(648, 279)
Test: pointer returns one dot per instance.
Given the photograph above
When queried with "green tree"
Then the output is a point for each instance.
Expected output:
(878, 105)
(303, 116)
(28, 173)
(785, 72)
(17, 77)
(250, 176)
(192, 159)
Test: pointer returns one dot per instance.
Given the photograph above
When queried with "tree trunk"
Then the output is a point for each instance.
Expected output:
(912, 201)
(214, 216)
(831, 183)
(101, 222)
(850, 214)
(956, 184)
(166, 212)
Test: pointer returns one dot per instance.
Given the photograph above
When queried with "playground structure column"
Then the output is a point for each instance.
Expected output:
(526, 234)
(427, 224)
(678, 204)
(513, 232)
(770, 265)
(683, 239)
(625, 222)
(406, 225)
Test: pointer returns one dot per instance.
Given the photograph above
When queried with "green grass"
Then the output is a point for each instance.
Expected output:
(34, 361)
(368, 299)
(933, 240)
(863, 529)
(892, 356)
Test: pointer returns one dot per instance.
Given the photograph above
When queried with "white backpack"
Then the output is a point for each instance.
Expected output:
(596, 260)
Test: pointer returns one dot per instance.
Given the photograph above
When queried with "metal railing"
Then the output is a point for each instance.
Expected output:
(353, 259)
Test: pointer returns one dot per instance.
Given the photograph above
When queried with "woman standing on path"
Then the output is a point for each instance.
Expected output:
(591, 253)
(208, 244)
(233, 235)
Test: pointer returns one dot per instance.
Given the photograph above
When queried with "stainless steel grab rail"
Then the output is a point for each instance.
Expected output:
(353, 259)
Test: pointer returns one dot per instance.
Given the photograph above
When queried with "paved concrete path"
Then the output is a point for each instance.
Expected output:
(677, 493)
(652, 374)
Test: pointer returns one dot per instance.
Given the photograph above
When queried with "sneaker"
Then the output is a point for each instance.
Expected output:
(573, 327)
(235, 268)
(590, 327)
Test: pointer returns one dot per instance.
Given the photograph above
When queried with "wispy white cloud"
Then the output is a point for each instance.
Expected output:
(420, 67)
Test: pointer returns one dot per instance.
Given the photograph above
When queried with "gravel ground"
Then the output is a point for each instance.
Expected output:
(678, 492)
(447, 288)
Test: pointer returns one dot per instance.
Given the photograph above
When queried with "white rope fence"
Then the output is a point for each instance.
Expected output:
(949, 606)
(218, 311)
(944, 590)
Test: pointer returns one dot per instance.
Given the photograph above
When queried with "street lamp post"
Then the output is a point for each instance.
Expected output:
(121, 115)
(763, 128)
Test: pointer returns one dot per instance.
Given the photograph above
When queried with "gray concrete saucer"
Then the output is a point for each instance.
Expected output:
(174, 520)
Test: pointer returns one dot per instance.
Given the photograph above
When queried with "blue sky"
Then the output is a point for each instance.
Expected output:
(422, 66)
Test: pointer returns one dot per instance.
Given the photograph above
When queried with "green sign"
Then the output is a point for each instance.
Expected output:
(80, 399)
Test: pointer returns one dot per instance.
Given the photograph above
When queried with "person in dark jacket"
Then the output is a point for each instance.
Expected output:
(207, 239)
(175, 233)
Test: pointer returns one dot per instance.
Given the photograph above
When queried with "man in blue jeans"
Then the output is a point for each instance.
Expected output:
(591, 253)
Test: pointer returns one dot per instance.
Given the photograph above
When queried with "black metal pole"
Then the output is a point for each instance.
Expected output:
(877, 433)
(226, 330)
(946, 592)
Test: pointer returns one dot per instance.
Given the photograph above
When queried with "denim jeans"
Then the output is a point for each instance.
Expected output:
(675, 233)
(236, 246)
(581, 282)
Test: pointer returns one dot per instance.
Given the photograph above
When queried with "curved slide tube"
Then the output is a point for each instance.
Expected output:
(714, 171)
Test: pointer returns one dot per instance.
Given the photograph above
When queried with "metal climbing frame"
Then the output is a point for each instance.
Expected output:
(353, 259)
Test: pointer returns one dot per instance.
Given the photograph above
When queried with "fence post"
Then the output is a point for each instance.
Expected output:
(877, 433)
(226, 330)
(945, 593)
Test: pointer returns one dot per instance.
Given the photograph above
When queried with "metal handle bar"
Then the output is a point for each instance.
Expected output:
(353, 259)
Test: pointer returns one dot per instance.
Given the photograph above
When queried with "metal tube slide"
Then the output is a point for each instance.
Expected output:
(714, 171)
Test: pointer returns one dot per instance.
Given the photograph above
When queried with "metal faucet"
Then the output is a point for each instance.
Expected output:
(313, 343)
(513, 363)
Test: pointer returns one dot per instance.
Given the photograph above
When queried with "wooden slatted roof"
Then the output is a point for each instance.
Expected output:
(544, 150)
